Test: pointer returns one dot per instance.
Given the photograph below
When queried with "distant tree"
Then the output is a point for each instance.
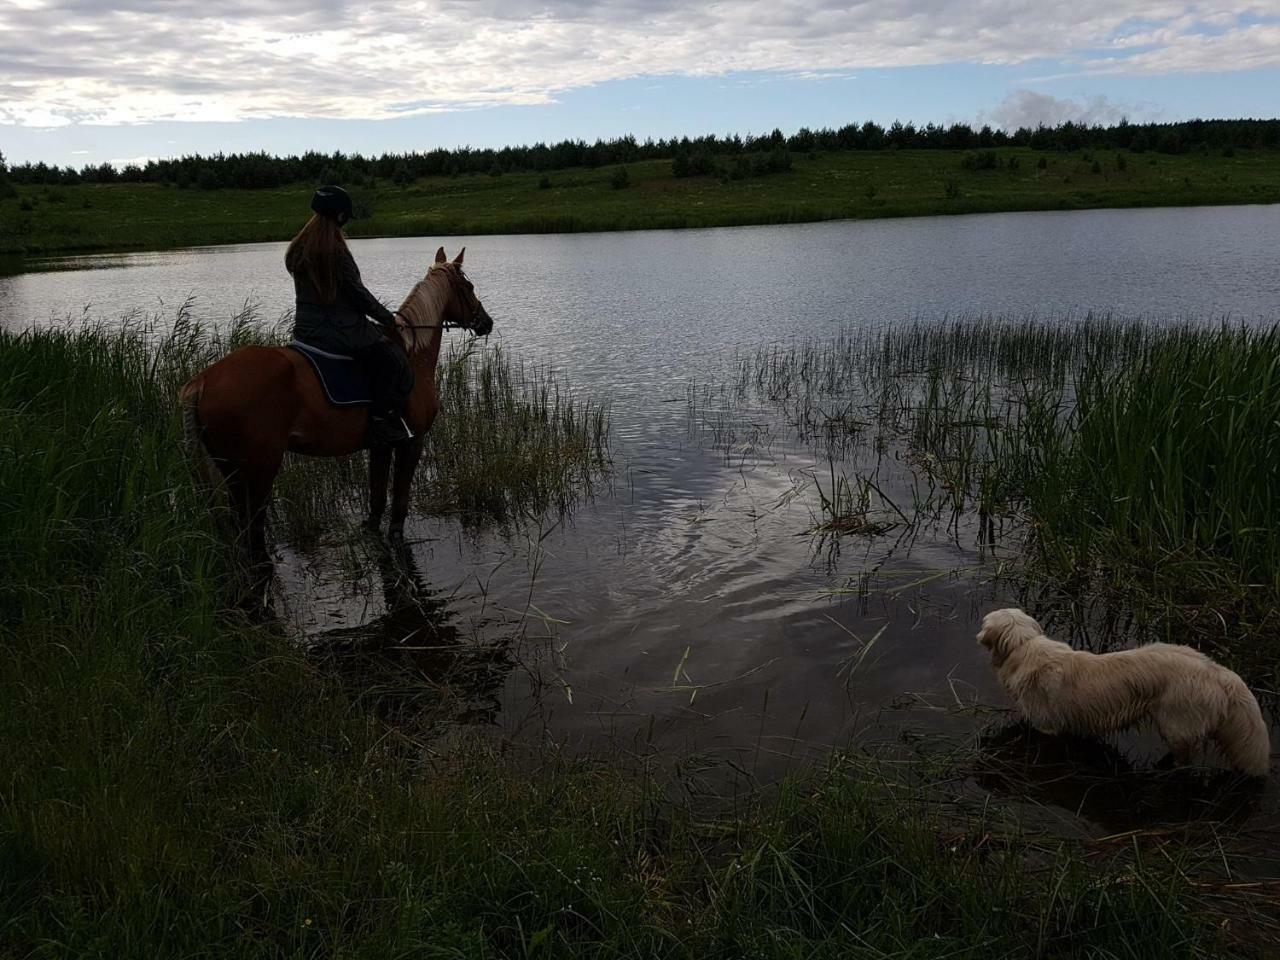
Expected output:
(7, 189)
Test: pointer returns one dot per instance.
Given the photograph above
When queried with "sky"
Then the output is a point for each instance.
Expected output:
(83, 81)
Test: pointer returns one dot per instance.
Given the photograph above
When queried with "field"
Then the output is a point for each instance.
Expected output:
(51, 220)
(182, 782)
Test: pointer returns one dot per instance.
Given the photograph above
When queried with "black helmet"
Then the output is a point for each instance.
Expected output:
(332, 203)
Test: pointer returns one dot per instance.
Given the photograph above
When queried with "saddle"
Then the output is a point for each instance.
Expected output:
(342, 378)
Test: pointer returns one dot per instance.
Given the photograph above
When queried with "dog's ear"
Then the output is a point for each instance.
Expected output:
(1004, 630)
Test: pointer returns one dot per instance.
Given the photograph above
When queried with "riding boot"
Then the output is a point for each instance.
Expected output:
(387, 428)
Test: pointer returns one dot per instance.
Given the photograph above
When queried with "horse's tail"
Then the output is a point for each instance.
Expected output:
(208, 477)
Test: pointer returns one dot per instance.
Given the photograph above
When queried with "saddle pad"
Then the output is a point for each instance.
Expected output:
(343, 380)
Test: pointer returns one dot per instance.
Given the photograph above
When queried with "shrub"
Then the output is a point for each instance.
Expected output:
(980, 160)
(697, 164)
(620, 179)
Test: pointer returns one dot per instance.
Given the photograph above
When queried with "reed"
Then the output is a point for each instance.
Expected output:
(1138, 457)
(512, 441)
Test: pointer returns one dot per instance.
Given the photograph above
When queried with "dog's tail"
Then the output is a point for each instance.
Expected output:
(1243, 733)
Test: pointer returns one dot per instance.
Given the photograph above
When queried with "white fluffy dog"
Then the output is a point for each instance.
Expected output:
(1188, 697)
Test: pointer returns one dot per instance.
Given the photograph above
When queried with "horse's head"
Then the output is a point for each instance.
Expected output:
(463, 308)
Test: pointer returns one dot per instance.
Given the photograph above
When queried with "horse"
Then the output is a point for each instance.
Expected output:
(242, 413)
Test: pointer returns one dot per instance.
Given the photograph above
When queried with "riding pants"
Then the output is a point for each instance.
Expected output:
(390, 376)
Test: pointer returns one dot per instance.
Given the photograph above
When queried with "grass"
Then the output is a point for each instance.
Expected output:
(178, 782)
(818, 187)
(1137, 459)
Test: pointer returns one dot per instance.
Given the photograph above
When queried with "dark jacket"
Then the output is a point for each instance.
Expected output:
(339, 326)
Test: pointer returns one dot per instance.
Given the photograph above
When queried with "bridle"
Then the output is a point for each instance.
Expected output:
(454, 276)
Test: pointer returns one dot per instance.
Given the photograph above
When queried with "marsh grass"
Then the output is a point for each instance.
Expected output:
(512, 440)
(1138, 459)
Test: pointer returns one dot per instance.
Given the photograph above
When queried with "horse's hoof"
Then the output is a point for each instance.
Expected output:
(396, 531)
(372, 524)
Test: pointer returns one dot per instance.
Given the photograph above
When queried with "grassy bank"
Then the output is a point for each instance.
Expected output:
(48, 220)
(180, 783)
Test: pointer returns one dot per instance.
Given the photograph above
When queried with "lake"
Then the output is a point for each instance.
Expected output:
(685, 609)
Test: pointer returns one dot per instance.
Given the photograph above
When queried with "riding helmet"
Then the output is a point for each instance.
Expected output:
(332, 203)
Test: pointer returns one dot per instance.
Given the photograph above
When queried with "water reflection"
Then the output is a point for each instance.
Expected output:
(413, 660)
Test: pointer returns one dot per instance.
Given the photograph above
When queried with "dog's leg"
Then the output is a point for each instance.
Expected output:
(1182, 734)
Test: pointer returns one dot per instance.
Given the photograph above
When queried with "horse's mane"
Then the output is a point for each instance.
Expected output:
(424, 308)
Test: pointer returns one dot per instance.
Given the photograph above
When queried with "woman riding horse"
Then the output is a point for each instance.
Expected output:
(332, 304)
(244, 412)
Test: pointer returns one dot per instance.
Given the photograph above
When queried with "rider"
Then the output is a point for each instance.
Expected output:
(332, 304)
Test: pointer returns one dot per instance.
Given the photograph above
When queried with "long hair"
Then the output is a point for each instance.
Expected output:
(315, 254)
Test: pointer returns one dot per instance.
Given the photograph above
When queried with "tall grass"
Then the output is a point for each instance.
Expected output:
(512, 440)
(1139, 457)
(512, 437)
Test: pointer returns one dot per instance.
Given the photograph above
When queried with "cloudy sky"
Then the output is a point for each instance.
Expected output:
(87, 81)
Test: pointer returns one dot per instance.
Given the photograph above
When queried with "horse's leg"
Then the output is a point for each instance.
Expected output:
(379, 474)
(250, 488)
(407, 456)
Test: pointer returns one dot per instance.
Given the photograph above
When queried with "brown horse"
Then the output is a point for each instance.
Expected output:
(245, 411)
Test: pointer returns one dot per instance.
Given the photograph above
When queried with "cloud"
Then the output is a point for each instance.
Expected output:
(1029, 108)
(135, 61)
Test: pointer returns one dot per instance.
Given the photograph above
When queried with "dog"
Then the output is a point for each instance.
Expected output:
(1189, 698)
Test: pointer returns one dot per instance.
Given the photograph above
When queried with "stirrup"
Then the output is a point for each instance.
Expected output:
(388, 431)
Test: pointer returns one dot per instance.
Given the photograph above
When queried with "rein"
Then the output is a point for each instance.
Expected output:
(451, 279)
(430, 326)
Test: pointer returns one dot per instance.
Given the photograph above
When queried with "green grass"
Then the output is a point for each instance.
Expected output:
(819, 187)
(180, 783)
(1137, 460)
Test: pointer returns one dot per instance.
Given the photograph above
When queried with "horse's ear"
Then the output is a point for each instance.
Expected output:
(458, 258)
(440, 256)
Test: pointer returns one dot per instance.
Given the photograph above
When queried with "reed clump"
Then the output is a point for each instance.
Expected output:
(512, 439)
(1138, 457)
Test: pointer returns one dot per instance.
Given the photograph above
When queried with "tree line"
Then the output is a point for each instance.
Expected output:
(690, 156)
